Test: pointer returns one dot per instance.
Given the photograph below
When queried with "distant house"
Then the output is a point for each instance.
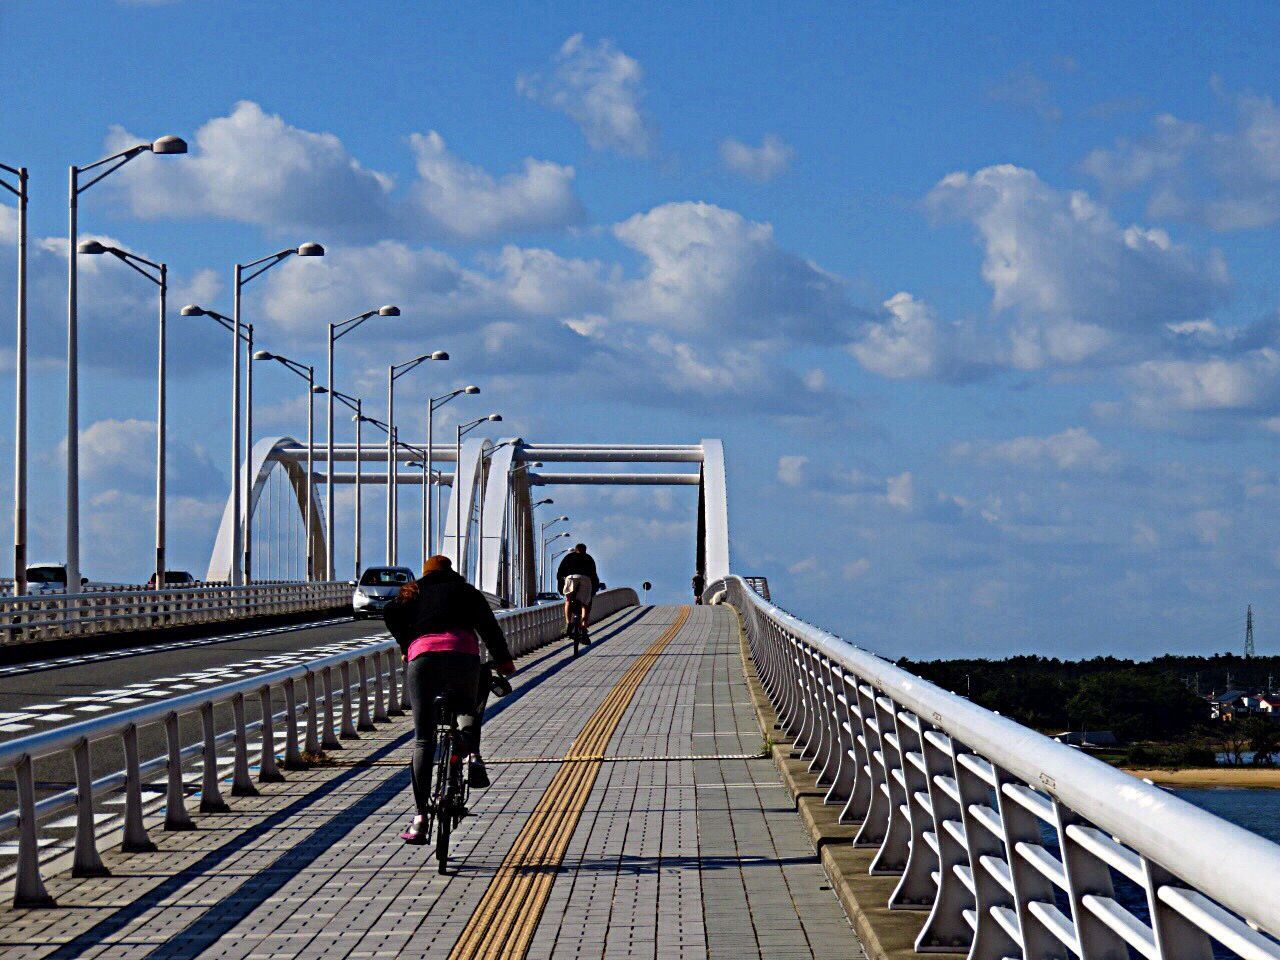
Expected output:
(1270, 703)
(1223, 706)
(1088, 738)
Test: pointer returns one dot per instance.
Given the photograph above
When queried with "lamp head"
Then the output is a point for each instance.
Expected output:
(562, 518)
(472, 389)
(263, 355)
(319, 388)
(191, 310)
(440, 355)
(390, 310)
(91, 247)
(310, 250)
(169, 146)
(494, 418)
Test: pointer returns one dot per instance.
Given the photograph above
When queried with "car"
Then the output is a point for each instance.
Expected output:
(174, 578)
(45, 578)
(378, 585)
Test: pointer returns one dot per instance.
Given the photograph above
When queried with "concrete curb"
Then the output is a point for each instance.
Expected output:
(885, 934)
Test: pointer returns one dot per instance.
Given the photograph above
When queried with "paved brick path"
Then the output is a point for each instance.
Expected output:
(683, 848)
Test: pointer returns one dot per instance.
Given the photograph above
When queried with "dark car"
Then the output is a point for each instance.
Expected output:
(173, 579)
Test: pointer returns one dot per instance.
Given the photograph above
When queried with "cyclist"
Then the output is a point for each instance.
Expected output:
(435, 620)
(578, 581)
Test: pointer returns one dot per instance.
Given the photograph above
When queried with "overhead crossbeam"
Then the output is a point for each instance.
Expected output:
(618, 479)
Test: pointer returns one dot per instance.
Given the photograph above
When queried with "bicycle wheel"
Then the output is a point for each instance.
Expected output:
(443, 814)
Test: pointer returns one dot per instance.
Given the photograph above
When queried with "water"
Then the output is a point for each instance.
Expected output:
(1254, 809)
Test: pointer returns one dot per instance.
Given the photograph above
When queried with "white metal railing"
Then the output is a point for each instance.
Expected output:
(1016, 845)
(55, 616)
(376, 665)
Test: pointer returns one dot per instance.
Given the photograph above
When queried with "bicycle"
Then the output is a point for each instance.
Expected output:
(575, 630)
(450, 789)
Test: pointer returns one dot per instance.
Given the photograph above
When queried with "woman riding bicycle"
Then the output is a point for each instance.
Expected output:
(435, 620)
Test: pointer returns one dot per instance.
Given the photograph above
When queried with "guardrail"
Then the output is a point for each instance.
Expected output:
(55, 616)
(1018, 846)
(377, 665)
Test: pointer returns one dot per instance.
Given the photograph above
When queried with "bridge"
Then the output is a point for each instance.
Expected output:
(712, 780)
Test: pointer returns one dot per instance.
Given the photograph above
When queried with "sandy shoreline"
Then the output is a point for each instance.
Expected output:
(1268, 778)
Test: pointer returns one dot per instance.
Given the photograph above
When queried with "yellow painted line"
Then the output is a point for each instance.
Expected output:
(503, 924)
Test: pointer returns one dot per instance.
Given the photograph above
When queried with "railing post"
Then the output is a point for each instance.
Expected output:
(312, 746)
(916, 889)
(1175, 937)
(379, 703)
(393, 688)
(175, 809)
(946, 927)
(365, 724)
(292, 755)
(348, 718)
(875, 824)
(892, 857)
(86, 863)
(135, 831)
(1086, 874)
(241, 784)
(28, 888)
(268, 770)
(860, 793)
(329, 740)
(210, 795)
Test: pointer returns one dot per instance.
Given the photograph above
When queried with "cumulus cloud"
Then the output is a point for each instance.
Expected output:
(910, 342)
(762, 163)
(1227, 178)
(467, 202)
(1073, 449)
(254, 167)
(1078, 286)
(121, 454)
(600, 88)
(791, 469)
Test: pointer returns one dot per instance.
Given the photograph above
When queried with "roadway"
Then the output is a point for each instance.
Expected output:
(632, 813)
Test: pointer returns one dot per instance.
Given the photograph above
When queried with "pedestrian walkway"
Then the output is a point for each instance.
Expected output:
(632, 814)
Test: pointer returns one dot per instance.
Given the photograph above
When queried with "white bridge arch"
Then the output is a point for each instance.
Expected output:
(488, 529)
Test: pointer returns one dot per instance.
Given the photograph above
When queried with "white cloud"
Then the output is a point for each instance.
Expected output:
(791, 470)
(600, 88)
(1073, 449)
(899, 491)
(1247, 382)
(855, 569)
(1078, 286)
(254, 167)
(761, 163)
(911, 343)
(468, 202)
(122, 454)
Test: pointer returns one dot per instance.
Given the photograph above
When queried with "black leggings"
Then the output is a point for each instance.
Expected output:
(458, 676)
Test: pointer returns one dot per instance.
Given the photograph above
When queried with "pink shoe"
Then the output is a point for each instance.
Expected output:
(417, 834)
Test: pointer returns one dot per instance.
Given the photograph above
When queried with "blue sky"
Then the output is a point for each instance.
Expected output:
(981, 298)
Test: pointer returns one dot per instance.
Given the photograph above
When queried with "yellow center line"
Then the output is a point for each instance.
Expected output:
(503, 924)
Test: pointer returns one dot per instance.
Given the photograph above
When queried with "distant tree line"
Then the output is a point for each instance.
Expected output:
(1152, 700)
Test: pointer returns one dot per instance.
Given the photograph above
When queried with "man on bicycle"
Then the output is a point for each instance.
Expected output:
(578, 582)
(436, 620)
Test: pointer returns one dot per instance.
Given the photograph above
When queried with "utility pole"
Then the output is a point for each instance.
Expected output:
(1248, 632)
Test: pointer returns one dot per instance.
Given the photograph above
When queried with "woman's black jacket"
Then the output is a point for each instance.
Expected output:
(440, 602)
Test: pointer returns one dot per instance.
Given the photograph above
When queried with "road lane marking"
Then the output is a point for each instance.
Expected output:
(508, 914)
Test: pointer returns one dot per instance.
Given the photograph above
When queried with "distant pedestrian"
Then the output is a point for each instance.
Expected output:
(699, 583)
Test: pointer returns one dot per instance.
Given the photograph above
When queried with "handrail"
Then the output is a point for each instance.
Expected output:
(525, 628)
(917, 764)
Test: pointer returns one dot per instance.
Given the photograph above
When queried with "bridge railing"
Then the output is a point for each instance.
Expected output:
(364, 685)
(57, 615)
(1015, 844)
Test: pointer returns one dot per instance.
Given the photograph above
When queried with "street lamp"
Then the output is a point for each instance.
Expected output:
(542, 554)
(165, 146)
(20, 405)
(307, 373)
(193, 310)
(433, 404)
(546, 542)
(394, 373)
(157, 273)
(240, 540)
(463, 430)
(354, 404)
(337, 331)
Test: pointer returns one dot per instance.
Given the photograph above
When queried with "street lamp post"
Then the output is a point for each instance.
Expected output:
(242, 566)
(356, 405)
(463, 430)
(20, 403)
(157, 273)
(433, 404)
(164, 146)
(537, 553)
(307, 373)
(394, 373)
(543, 579)
(336, 332)
(237, 335)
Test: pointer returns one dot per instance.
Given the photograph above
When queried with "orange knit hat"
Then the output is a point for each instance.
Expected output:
(437, 563)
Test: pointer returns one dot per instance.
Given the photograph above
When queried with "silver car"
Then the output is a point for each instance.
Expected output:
(378, 585)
